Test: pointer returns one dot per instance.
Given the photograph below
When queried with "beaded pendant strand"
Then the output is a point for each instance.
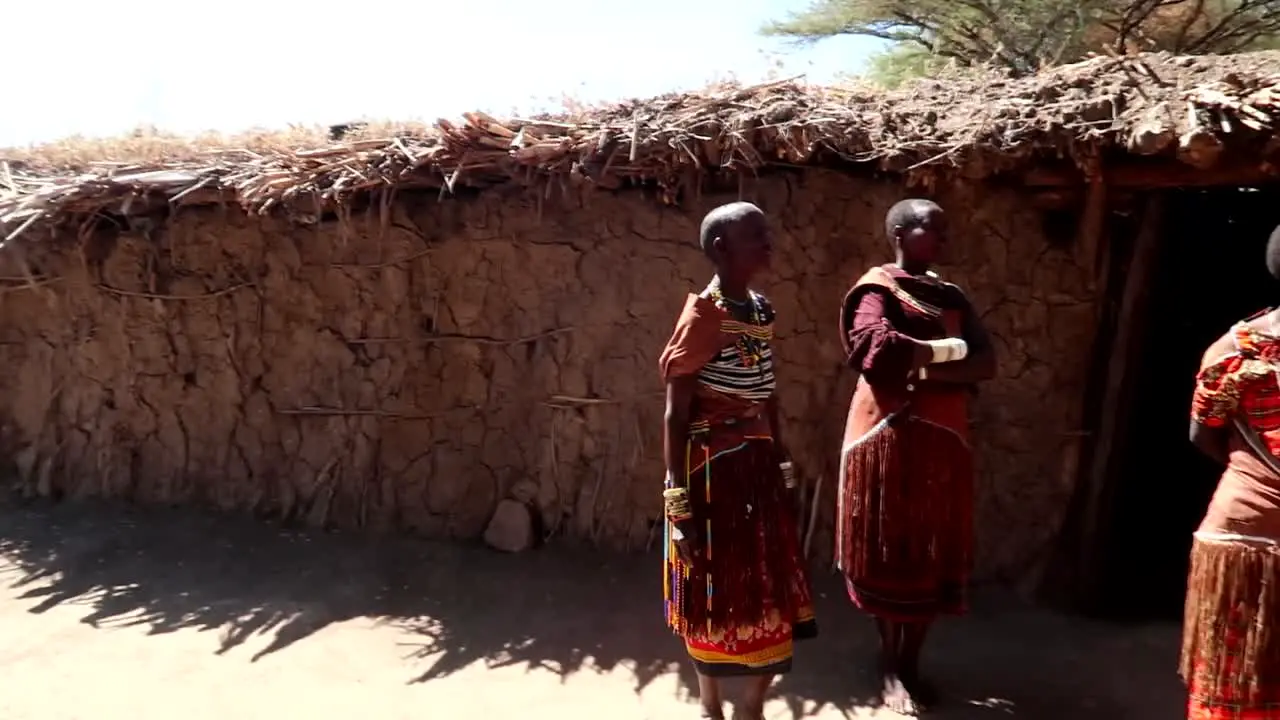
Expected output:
(750, 350)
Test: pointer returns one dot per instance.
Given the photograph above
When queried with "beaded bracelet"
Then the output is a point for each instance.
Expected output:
(788, 474)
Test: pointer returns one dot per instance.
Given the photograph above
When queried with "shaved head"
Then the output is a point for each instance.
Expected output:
(907, 214)
(1273, 254)
(717, 223)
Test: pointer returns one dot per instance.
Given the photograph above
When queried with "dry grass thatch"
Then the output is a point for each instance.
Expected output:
(978, 124)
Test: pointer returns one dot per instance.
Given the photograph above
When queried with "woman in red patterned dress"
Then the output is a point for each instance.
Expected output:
(735, 583)
(1231, 629)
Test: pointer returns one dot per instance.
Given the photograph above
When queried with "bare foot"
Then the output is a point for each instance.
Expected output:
(713, 713)
(896, 697)
(922, 690)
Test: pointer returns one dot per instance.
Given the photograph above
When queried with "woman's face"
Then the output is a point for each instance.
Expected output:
(747, 248)
(923, 244)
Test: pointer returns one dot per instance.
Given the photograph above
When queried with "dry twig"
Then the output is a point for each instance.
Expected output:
(447, 337)
(340, 412)
(160, 296)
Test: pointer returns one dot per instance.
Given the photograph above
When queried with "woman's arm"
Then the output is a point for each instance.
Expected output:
(676, 424)
(675, 437)
(1212, 441)
(1215, 400)
(877, 350)
(774, 416)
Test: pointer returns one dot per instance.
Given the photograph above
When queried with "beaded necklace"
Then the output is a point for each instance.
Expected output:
(750, 350)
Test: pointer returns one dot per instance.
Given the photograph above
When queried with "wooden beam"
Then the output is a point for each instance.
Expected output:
(1061, 582)
(1157, 177)
(1090, 250)
(1114, 411)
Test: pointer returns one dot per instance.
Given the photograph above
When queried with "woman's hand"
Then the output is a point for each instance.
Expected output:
(786, 466)
(684, 537)
(674, 441)
(922, 354)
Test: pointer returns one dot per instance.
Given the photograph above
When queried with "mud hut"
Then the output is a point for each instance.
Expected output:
(399, 328)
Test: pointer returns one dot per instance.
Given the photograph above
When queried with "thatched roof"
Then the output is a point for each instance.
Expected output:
(976, 124)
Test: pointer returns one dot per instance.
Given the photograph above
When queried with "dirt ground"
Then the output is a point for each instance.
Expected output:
(113, 613)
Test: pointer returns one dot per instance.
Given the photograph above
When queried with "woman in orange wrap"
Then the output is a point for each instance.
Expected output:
(1231, 630)
(904, 521)
(735, 584)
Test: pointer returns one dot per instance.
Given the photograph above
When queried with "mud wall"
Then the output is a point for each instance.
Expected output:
(345, 375)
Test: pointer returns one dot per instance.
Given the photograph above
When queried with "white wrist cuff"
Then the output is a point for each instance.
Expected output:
(948, 350)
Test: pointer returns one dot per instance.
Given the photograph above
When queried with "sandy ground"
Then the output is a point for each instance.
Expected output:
(109, 613)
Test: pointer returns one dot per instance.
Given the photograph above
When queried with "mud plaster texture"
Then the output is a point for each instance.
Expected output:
(499, 345)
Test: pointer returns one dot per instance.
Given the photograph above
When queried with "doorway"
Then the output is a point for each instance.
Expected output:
(1209, 273)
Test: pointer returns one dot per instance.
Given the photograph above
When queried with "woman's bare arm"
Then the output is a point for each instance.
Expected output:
(675, 437)
(1211, 441)
(774, 415)
(676, 423)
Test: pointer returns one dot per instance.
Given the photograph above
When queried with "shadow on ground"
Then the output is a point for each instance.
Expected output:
(560, 610)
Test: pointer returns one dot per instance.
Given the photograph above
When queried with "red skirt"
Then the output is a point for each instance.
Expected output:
(1230, 636)
(746, 598)
(904, 529)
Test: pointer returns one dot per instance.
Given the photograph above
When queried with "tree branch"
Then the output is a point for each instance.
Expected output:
(1223, 30)
(1023, 36)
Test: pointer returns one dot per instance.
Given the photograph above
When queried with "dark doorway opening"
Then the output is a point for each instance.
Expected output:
(1209, 273)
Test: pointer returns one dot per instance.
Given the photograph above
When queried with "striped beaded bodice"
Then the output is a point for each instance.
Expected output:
(744, 368)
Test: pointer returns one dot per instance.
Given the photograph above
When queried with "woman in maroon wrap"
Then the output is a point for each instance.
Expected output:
(906, 486)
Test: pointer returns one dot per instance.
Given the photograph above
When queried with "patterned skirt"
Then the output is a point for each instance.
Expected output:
(904, 526)
(1230, 635)
(746, 598)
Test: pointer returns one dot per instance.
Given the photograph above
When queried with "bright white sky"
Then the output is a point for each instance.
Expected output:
(87, 67)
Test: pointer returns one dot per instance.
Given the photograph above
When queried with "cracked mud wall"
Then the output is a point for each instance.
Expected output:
(407, 379)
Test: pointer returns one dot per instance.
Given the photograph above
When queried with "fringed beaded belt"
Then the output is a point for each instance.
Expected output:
(705, 425)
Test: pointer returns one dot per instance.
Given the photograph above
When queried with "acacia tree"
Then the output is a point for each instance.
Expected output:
(1023, 36)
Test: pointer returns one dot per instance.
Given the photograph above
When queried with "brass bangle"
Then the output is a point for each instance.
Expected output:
(676, 504)
(678, 508)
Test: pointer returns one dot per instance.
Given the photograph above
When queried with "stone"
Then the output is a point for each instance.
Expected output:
(524, 491)
(511, 527)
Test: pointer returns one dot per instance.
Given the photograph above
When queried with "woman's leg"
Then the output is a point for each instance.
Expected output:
(709, 695)
(893, 691)
(913, 637)
(753, 699)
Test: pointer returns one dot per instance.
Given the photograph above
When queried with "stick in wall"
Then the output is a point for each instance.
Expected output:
(813, 516)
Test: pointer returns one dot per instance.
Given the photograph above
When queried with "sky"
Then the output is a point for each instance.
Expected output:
(98, 68)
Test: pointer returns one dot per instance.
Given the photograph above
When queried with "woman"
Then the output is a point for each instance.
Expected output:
(905, 506)
(1231, 633)
(735, 585)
